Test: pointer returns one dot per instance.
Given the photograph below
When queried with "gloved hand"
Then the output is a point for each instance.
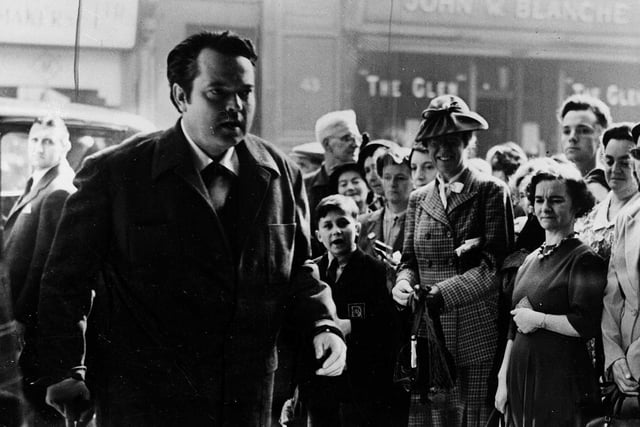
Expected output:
(72, 399)
(434, 299)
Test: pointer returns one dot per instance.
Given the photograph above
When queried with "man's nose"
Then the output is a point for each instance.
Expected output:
(234, 103)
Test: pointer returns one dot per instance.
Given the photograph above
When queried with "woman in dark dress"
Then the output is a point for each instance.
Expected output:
(546, 374)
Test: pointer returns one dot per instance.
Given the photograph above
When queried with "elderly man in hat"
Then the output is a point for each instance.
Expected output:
(458, 230)
(340, 137)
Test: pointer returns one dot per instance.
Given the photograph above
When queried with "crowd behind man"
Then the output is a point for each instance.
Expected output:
(154, 293)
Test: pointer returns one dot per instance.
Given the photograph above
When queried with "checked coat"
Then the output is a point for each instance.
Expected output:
(469, 283)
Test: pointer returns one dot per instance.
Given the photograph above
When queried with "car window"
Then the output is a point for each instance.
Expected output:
(14, 157)
(14, 163)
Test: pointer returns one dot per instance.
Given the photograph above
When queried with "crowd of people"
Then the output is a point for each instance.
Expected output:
(419, 286)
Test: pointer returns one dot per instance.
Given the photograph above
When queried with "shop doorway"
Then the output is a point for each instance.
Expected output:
(499, 113)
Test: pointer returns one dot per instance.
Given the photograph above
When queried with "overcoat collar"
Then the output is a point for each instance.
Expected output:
(433, 205)
(257, 168)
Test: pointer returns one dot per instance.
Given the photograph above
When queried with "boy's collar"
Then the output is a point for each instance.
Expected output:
(345, 259)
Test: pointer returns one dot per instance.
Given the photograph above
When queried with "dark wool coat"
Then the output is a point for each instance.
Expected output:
(186, 324)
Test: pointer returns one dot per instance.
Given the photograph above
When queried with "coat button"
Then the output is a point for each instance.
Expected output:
(448, 234)
(452, 261)
(427, 236)
(429, 263)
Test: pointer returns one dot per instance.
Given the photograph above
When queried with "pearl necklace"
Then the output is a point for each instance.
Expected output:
(545, 251)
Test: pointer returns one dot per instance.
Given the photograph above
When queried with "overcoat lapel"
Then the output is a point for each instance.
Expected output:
(468, 192)
(173, 154)
(433, 205)
(253, 183)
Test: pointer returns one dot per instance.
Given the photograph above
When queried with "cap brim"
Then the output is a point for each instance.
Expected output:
(635, 133)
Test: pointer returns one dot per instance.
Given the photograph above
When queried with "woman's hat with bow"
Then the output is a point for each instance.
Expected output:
(446, 115)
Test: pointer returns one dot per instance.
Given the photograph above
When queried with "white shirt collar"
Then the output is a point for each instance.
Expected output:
(37, 175)
(229, 160)
(455, 178)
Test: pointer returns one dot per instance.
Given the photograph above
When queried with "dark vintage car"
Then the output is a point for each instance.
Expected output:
(91, 129)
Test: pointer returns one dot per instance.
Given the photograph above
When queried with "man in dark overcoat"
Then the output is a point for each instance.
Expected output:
(195, 243)
(28, 236)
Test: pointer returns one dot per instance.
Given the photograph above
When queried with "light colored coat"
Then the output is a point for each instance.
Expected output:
(620, 327)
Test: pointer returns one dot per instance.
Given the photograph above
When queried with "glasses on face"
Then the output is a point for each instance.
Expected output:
(579, 131)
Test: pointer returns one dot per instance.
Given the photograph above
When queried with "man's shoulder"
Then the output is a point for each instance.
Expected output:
(267, 154)
(317, 177)
(131, 147)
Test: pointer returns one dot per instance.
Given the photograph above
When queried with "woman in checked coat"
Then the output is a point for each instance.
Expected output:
(458, 230)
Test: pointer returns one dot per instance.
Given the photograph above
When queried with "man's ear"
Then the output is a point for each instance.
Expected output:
(180, 97)
(325, 145)
(358, 228)
(318, 235)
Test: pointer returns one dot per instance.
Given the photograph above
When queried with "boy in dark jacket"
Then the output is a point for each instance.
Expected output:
(360, 396)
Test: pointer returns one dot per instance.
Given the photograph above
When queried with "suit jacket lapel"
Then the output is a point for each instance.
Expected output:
(468, 191)
(433, 205)
(49, 176)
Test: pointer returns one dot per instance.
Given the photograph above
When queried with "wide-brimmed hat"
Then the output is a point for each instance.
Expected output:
(446, 115)
(339, 170)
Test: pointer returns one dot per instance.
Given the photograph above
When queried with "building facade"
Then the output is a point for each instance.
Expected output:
(514, 61)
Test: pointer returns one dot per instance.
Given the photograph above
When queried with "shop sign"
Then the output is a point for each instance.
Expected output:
(615, 84)
(568, 16)
(417, 87)
(103, 23)
(613, 94)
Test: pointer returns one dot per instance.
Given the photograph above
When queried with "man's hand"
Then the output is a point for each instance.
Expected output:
(72, 399)
(401, 292)
(332, 346)
(622, 377)
(527, 320)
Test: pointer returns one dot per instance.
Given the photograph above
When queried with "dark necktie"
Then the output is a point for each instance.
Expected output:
(27, 190)
(332, 272)
(217, 180)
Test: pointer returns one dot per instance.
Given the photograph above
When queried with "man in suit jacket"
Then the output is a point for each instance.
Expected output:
(195, 242)
(28, 236)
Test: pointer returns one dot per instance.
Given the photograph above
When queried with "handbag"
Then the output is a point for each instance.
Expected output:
(613, 401)
(424, 365)
(498, 419)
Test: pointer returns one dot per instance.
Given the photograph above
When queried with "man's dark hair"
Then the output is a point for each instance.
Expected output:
(618, 131)
(587, 102)
(182, 62)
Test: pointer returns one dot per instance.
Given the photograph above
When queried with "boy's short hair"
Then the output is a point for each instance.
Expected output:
(337, 202)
